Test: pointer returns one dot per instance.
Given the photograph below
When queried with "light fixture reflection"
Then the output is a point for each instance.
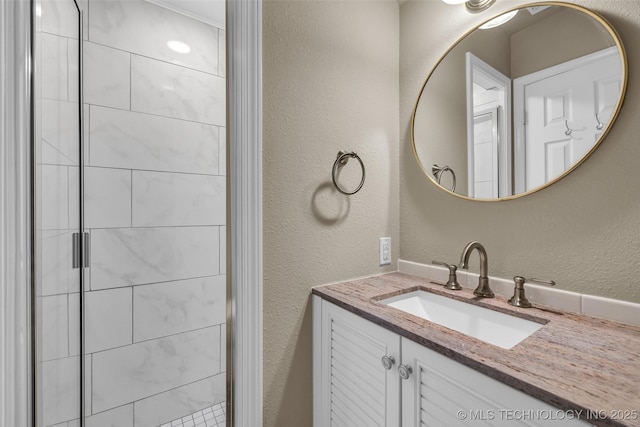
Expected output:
(495, 22)
(38, 10)
(473, 6)
(178, 46)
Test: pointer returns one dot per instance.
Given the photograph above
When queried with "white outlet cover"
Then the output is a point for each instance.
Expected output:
(385, 250)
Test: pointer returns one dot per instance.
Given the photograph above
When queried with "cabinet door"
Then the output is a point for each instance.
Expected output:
(352, 387)
(442, 392)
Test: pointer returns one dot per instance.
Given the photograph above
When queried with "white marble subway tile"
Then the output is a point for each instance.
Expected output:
(60, 132)
(223, 250)
(59, 17)
(54, 67)
(84, 7)
(145, 29)
(181, 401)
(60, 390)
(58, 276)
(106, 75)
(73, 70)
(168, 308)
(86, 127)
(125, 139)
(108, 319)
(121, 416)
(123, 257)
(174, 91)
(611, 309)
(107, 198)
(55, 331)
(222, 49)
(74, 324)
(163, 198)
(88, 358)
(222, 151)
(74, 197)
(55, 197)
(131, 373)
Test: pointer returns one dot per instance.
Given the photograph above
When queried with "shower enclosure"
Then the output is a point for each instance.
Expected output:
(130, 210)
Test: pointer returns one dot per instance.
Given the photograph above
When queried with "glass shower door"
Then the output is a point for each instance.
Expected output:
(58, 222)
(141, 342)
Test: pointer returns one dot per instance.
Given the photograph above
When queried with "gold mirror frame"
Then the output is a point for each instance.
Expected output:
(625, 75)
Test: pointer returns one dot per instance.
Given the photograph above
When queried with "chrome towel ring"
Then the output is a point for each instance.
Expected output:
(341, 160)
(439, 170)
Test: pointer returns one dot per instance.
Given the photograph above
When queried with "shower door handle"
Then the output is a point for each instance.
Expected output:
(77, 257)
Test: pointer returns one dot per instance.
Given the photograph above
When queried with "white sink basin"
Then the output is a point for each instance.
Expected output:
(487, 325)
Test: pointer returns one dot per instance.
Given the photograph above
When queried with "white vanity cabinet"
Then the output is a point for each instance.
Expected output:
(443, 392)
(352, 387)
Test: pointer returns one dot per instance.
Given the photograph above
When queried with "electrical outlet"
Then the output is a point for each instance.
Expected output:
(385, 250)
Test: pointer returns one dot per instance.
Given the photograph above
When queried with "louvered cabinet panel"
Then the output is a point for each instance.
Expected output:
(442, 392)
(352, 388)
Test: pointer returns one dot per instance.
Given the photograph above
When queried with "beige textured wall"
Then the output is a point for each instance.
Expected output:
(559, 38)
(583, 232)
(330, 82)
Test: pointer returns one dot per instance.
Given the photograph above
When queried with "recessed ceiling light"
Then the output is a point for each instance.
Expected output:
(178, 46)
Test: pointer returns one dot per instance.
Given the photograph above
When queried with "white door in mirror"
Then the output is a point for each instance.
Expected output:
(566, 107)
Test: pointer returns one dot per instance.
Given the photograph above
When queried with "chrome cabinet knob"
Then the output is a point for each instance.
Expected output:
(405, 371)
(388, 362)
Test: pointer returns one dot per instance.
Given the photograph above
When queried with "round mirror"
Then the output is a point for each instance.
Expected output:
(519, 101)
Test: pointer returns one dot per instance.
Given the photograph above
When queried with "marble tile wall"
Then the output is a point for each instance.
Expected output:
(154, 207)
(180, 401)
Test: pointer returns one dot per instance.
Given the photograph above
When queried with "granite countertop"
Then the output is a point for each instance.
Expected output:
(574, 362)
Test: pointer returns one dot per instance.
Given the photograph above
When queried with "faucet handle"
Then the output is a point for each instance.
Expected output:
(541, 282)
(519, 299)
(453, 278)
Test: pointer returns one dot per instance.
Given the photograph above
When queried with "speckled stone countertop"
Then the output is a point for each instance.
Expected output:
(574, 362)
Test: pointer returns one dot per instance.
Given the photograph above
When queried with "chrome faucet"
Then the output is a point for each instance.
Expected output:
(483, 289)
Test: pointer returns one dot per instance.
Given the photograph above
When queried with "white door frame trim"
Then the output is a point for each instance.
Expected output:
(244, 79)
(475, 65)
(244, 272)
(15, 218)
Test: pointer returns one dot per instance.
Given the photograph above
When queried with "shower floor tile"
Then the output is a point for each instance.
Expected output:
(213, 416)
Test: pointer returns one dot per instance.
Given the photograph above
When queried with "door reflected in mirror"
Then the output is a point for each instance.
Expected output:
(513, 108)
